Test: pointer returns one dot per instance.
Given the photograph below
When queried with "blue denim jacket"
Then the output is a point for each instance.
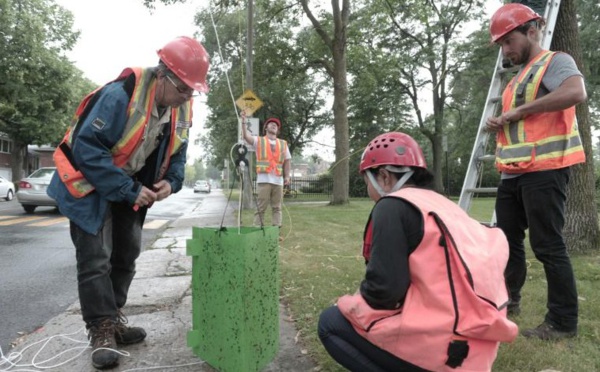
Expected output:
(98, 133)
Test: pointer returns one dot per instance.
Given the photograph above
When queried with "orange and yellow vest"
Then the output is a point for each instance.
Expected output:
(139, 112)
(268, 161)
(542, 141)
(454, 313)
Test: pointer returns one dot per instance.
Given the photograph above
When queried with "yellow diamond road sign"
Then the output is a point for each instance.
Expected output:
(248, 102)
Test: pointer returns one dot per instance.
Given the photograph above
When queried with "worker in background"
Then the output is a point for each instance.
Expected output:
(537, 143)
(273, 167)
(430, 300)
(126, 149)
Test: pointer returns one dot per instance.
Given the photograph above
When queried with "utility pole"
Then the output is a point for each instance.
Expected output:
(250, 46)
(247, 187)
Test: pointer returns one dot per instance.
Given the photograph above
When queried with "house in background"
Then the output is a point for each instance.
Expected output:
(5, 150)
(299, 170)
(37, 157)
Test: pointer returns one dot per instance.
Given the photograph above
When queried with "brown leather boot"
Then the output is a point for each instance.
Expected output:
(126, 335)
(104, 345)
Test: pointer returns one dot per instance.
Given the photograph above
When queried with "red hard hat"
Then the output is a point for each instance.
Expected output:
(272, 120)
(509, 17)
(392, 148)
(188, 59)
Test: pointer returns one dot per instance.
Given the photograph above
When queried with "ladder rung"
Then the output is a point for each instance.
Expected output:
(483, 190)
(488, 157)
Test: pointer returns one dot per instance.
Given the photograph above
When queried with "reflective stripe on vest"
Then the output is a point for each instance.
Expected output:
(180, 127)
(543, 141)
(268, 161)
(139, 112)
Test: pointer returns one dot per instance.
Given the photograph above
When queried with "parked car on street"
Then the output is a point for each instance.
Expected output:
(7, 189)
(32, 190)
(202, 186)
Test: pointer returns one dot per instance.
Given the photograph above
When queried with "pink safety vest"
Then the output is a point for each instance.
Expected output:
(454, 313)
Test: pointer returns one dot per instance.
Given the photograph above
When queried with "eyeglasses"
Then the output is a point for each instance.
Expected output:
(187, 90)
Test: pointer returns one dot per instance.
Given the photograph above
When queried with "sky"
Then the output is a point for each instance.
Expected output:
(123, 33)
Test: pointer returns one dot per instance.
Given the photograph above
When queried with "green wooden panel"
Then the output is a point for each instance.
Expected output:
(235, 291)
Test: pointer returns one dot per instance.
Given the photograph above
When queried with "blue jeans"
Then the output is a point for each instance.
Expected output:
(353, 351)
(537, 201)
(106, 261)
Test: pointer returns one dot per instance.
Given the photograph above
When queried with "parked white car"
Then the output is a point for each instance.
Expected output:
(202, 186)
(7, 189)
(32, 190)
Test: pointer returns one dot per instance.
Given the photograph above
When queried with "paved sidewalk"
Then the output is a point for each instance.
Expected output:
(160, 301)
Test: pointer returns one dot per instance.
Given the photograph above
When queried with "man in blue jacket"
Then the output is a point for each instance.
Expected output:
(126, 149)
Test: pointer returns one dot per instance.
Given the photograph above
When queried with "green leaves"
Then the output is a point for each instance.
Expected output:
(39, 86)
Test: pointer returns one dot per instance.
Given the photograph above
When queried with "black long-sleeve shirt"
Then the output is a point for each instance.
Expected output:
(397, 231)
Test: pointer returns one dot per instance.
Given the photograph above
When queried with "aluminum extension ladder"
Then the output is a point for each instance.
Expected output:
(501, 75)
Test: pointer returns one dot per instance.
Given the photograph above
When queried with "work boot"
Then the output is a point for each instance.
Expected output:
(102, 339)
(546, 331)
(125, 335)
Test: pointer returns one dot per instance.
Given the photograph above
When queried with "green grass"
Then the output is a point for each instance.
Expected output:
(321, 260)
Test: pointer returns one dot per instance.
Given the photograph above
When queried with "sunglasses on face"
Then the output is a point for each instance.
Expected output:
(187, 90)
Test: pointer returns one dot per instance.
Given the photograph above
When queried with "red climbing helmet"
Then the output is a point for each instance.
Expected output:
(392, 148)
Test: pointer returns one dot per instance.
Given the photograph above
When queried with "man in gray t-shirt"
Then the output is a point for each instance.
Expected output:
(537, 142)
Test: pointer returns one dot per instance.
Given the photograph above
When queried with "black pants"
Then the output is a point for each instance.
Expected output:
(106, 261)
(537, 201)
(354, 352)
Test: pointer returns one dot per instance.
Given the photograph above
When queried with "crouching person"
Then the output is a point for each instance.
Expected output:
(433, 297)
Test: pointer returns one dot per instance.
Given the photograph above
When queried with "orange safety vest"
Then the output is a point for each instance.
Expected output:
(542, 141)
(454, 313)
(139, 112)
(267, 160)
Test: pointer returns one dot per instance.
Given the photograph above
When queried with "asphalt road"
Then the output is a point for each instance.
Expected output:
(37, 262)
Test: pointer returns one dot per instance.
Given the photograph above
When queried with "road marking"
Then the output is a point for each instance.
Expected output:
(20, 220)
(13, 220)
(52, 221)
(155, 224)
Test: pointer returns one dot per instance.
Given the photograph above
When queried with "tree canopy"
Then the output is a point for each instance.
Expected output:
(411, 66)
(39, 86)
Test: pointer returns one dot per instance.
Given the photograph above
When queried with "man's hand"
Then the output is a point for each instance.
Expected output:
(287, 181)
(145, 197)
(162, 189)
(496, 124)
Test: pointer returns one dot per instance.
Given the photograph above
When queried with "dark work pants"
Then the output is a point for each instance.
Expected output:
(106, 261)
(537, 201)
(353, 351)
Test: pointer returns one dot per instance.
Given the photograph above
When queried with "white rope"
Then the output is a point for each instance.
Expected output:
(222, 59)
(14, 358)
(11, 363)
(250, 180)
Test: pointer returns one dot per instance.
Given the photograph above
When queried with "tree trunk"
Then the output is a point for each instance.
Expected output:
(436, 169)
(581, 228)
(18, 156)
(340, 122)
(337, 45)
(341, 176)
